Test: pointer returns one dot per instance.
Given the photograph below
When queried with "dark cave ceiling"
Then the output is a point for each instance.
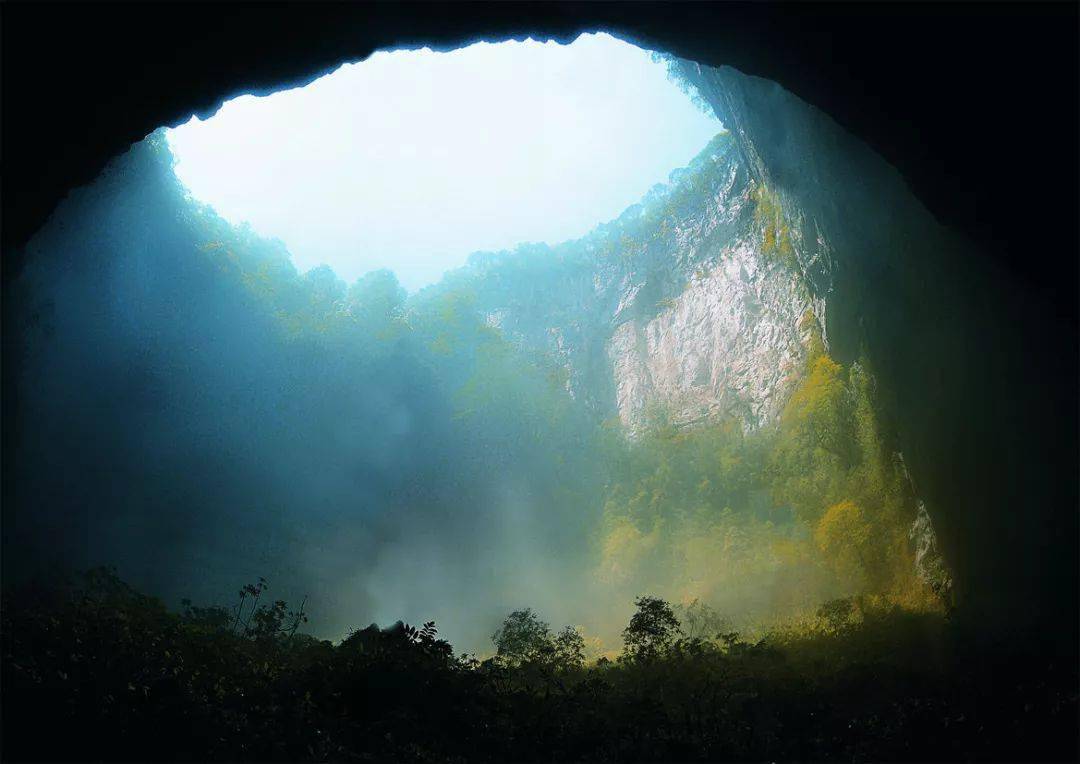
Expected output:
(976, 105)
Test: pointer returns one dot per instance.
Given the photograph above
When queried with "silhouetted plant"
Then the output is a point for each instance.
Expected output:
(522, 637)
(699, 620)
(211, 618)
(261, 621)
(651, 631)
(569, 649)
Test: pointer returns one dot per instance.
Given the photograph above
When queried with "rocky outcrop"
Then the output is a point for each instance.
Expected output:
(729, 345)
(687, 302)
(891, 277)
(929, 564)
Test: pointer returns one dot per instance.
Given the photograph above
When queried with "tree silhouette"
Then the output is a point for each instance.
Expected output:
(651, 630)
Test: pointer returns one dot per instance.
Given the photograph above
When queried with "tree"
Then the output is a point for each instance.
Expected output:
(701, 621)
(376, 298)
(651, 630)
(522, 637)
(814, 449)
(569, 648)
(845, 537)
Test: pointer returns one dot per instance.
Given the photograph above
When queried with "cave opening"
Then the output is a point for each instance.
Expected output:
(491, 146)
(678, 402)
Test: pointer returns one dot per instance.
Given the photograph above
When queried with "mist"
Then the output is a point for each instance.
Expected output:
(184, 434)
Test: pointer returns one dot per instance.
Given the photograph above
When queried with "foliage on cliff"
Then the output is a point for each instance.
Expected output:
(769, 522)
(775, 225)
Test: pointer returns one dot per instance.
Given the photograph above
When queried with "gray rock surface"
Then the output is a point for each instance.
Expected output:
(675, 304)
(729, 345)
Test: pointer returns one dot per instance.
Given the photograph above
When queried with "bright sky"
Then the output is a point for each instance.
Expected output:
(411, 160)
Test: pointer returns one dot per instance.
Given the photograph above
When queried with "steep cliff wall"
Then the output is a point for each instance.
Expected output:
(947, 333)
(702, 303)
(693, 301)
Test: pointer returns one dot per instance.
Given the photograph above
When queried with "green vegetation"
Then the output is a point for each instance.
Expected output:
(125, 679)
(771, 522)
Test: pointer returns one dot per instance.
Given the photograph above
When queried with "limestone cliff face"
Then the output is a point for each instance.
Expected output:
(731, 344)
(687, 302)
(891, 276)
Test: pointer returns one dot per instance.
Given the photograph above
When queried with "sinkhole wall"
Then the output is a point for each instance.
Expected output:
(974, 396)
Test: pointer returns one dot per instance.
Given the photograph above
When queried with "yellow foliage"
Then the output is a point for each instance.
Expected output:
(820, 391)
(788, 551)
(776, 231)
(704, 490)
(809, 325)
(625, 548)
(844, 536)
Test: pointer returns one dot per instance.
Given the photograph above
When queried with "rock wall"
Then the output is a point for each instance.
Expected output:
(901, 291)
(678, 304)
(731, 344)
(702, 301)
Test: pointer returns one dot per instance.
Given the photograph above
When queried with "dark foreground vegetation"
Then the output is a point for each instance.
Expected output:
(97, 671)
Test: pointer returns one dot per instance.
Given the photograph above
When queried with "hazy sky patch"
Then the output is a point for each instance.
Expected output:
(411, 160)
